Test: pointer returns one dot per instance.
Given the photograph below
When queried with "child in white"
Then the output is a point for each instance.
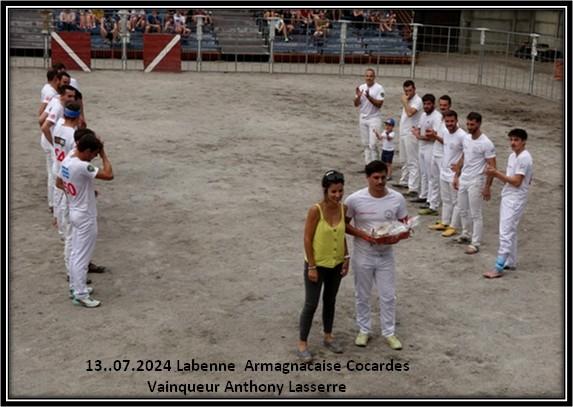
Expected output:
(513, 200)
(387, 138)
(478, 150)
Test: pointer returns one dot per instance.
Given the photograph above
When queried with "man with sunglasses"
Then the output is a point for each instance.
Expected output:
(372, 262)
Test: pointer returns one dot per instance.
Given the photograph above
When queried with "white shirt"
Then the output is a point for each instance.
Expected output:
(438, 149)
(370, 213)
(78, 177)
(64, 142)
(48, 92)
(523, 165)
(406, 123)
(74, 83)
(475, 154)
(387, 145)
(55, 110)
(453, 149)
(429, 121)
(367, 109)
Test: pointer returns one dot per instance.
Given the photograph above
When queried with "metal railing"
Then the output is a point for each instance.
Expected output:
(521, 62)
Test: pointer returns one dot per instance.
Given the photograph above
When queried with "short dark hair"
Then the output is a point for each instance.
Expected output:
(375, 166)
(332, 177)
(60, 75)
(428, 97)
(63, 88)
(51, 74)
(451, 113)
(79, 133)
(408, 83)
(520, 133)
(474, 117)
(446, 98)
(89, 141)
(74, 107)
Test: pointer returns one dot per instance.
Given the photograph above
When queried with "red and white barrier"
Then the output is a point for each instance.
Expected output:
(73, 49)
(162, 52)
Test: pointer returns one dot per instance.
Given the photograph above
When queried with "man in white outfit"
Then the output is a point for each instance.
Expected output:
(411, 112)
(517, 179)
(473, 184)
(373, 263)
(434, 198)
(77, 179)
(453, 140)
(428, 124)
(369, 98)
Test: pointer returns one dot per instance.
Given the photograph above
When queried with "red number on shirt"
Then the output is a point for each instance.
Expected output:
(70, 188)
(60, 154)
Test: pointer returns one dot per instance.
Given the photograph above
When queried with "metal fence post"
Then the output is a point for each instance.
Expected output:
(343, 28)
(481, 53)
(272, 24)
(199, 39)
(123, 34)
(448, 52)
(47, 20)
(534, 38)
(414, 40)
(506, 61)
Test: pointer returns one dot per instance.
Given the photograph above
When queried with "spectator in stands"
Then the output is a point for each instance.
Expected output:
(278, 22)
(68, 20)
(87, 20)
(109, 28)
(137, 19)
(357, 18)
(388, 22)
(207, 19)
(321, 25)
(181, 24)
(303, 20)
(169, 24)
(154, 22)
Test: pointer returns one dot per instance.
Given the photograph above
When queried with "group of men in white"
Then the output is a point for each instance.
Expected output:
(69, 148)
(443, 164)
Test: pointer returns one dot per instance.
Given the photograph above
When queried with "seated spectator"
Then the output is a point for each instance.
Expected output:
(169, 24)
(137, 20)
(154, 22)
(109, 28)
(87, 20)
(207, 19)
(68, 20)
(321, 25)
(181, 24)
(388, 22)
(303, 20)
(357, 18)
(277, 22)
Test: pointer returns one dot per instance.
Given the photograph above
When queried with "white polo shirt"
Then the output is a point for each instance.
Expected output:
(523, 165)
(367, 109)
(78, 177)
(406, 123)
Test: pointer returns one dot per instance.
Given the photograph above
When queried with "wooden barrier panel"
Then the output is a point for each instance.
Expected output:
(73, 49)
(162, 52)
(558, 70)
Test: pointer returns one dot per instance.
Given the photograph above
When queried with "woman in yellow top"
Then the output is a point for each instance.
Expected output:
(326, 261)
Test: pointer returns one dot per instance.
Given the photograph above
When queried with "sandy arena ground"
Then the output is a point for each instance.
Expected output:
(202, 232)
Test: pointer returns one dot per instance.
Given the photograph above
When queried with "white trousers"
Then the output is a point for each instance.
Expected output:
(450, 207)
(369, 140)
(510, 212)
(471, 202)
(84, 234)
(49, 151)
(379, 271)
(62, 214)
(410, 172)
(403, 160)
(425, 150)
(434, 197)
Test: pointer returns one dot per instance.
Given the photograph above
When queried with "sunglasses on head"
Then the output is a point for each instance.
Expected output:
(334, 176)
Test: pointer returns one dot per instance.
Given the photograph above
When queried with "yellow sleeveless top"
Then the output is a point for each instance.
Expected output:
(328, 242)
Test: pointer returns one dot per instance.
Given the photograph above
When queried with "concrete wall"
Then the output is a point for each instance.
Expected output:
(547, 23)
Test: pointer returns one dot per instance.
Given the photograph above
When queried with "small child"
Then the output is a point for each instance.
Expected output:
(387, 138)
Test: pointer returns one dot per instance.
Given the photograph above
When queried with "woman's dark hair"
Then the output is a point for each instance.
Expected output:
(332, 177)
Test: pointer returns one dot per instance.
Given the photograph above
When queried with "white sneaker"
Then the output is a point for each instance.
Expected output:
(90, 290)
(87, 302)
